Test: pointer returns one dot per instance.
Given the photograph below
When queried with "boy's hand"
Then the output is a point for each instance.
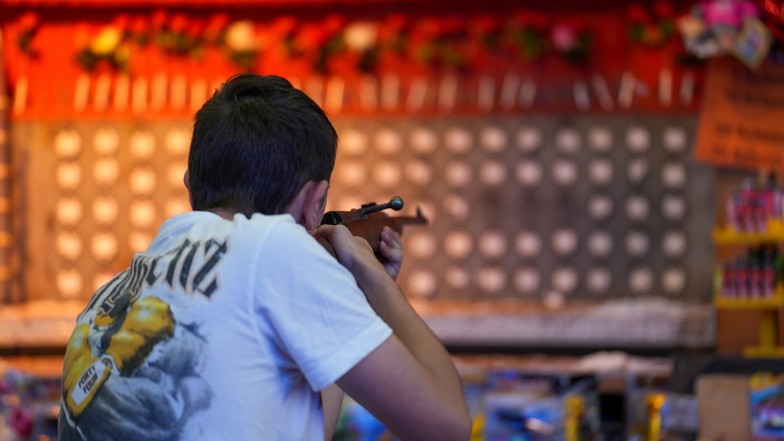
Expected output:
(391, 249)
(353, 252)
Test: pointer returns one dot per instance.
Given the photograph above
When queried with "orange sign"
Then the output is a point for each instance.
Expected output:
(742, 117)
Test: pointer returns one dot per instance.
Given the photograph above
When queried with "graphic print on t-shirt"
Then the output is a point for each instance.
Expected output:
(131, 370)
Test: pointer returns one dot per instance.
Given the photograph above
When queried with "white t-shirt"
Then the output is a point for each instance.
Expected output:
(221, 330)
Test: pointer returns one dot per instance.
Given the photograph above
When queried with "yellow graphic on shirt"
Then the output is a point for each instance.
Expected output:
(148, 321)
(82, 376)
(132, 371)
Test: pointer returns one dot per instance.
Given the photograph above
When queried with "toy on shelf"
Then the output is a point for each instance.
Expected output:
(767, 406)
(656, 414)
(755, 206)
(755, 279)
(718, 27)
(754, 276)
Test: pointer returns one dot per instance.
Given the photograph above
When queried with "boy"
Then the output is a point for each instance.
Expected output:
(235, 323)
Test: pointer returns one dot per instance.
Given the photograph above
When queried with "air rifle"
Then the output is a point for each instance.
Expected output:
(367, 221)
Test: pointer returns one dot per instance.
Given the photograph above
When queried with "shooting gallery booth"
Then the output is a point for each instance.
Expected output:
(601, 252)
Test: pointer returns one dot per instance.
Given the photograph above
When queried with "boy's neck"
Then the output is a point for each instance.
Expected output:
(226, 213)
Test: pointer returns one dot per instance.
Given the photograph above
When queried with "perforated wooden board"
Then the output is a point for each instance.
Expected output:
(530, 207)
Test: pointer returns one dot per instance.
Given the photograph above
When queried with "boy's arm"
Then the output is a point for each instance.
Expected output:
(332, 397)
(409, 382)
(331, 403)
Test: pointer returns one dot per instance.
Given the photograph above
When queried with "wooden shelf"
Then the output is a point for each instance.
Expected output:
(775, 302)
(774, 233)
(763, 352)
(769, 345)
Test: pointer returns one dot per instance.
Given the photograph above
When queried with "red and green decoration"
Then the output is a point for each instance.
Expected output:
(654, 27)
(29, 22)
(176, 35)
(107, 48)
(451, 42)
(438, 42)
(526, 35)
(572, 41)
(319, 42)
(773, 17)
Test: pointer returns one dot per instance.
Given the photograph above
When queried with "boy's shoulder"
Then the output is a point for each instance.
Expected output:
(205, 223)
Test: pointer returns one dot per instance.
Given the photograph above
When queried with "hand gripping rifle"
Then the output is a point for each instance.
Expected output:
(367, 221)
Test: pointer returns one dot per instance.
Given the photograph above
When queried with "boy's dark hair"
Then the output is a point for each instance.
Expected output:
(255, 143)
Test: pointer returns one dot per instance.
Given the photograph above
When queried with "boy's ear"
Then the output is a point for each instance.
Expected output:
(186, 179)
(307, 208)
